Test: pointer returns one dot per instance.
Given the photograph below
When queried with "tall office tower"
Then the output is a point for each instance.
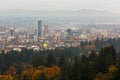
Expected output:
(45, 30)
(39, 31)
(12, 32)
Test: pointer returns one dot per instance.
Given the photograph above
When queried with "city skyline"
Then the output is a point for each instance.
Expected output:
(53, 5)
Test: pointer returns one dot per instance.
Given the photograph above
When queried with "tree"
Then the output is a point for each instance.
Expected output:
(50, 60)
(76, 71)
(46, 73)
(106, 57)
(109, 51)
(62, 62)
(39, 75)
(27, 74)
(6, 77)
(11, 70)
(43, 77)
(110, 75)
(37, 60)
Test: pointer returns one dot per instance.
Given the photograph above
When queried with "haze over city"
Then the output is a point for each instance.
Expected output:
(47, 5)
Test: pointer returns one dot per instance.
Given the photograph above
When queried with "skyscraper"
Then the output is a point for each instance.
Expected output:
(39, 31)
(12, 32)
(45, 30)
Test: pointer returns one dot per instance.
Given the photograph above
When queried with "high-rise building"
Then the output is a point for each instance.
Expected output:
(45, 30)
(12, 32)
(39, 31)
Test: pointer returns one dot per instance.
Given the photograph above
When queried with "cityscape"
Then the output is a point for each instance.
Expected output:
(45, 37)
(59, 40)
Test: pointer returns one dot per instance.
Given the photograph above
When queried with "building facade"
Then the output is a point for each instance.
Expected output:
(39, 30)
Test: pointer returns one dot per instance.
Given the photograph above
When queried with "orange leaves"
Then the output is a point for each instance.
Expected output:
(6, 77)
(52, 72)
(42, 73)
(27, 74)
(36, 74)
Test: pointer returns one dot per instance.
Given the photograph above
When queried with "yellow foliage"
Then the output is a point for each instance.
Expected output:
(42, 68)
(50, 72)
(112, 69)
(36, 74)
(109, 75)
(106, 76)
(6, 77)
(27, 73)
(98, 76)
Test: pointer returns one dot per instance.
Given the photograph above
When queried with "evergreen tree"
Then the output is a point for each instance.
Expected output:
(50, 60)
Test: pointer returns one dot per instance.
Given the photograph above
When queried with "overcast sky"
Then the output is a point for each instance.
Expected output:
(106, 5)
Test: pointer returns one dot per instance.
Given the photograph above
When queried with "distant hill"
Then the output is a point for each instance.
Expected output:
(82, 12)
(83, 15)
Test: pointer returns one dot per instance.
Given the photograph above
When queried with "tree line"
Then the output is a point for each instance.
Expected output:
(89, 61)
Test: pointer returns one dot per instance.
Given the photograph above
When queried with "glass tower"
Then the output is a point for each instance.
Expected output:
(39, 32)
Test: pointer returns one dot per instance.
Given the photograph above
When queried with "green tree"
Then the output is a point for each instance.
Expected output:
(50, 60)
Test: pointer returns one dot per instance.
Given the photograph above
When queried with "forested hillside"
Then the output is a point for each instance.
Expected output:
(97, 60)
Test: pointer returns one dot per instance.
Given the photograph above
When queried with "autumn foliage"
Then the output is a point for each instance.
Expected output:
(6, 77)
(96, 60)
(42, 73)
